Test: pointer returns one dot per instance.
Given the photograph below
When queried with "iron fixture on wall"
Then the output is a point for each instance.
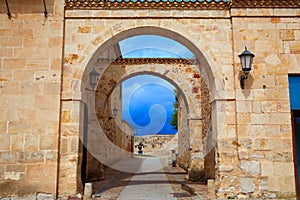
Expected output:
(246, 60)
(115, 112)
(93, 78)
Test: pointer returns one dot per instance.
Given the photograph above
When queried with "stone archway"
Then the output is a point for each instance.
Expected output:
(193, 96)
(75, 84)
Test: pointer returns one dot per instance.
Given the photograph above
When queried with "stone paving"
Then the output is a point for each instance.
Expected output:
(147, 183)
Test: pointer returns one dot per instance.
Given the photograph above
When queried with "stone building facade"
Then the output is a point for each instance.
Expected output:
(47, 52)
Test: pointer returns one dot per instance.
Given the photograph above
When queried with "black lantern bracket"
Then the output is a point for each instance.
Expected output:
(242, 80)
(115, 113)
(45, 9)
(93, 79)
(8, 11)
(246, 59)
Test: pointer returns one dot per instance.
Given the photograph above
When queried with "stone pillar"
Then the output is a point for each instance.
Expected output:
(224, 139)
(70, 162)
(196, 169)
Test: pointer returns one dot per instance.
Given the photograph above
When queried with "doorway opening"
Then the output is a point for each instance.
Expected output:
(294, 84)
(296, 144)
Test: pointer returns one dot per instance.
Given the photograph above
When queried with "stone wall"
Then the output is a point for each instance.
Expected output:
(184, 155)
(117, 131)
(30, 80)
(264, 133)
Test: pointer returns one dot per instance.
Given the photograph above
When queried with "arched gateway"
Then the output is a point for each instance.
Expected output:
(193, 79)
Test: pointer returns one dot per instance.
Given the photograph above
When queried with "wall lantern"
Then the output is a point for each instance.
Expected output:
(246, 60)
(93, 78)
(115, 112)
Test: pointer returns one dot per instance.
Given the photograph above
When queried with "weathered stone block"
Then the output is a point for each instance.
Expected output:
(43, 196)
(41, 172)
(264, 82)
(50, 156)
(225, 168)
(14, 63)
(243, 118)
(245, 143)
(250, 167)
(295, 47)
(256, 131)
(246, 185)
(277, 169)
(15, 168)
(287, 34)
(5, 142)
(31, 143)
(7, 157)
(243, 155)
(262, 144)
(11, 41)
(17, 142)
(30, 157)
(46, 102)
(66, 116)
(257, 118)
(256, 106)
(2, 170)
(280, 118)
(244, 106)
(48, 142)
(269, 106)
(51, 88)
(48, 115)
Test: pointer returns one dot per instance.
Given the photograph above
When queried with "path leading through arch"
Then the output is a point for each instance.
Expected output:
(148, 185)
(148, 178)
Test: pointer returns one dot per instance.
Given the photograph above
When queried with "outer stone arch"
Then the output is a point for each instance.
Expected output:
(76, 73)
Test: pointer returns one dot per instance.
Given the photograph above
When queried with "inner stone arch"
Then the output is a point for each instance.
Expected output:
(194, 111)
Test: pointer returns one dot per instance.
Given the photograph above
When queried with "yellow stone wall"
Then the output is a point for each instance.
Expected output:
(264, 132)
(30, 79)
(38, 118)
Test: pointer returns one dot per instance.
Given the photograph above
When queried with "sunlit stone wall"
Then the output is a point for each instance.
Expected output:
(252, 127)
(264, 132)
(30, 80)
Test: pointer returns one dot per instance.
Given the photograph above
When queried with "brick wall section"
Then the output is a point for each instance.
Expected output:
(30, 78)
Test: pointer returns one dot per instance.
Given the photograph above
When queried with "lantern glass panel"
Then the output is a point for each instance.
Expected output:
(246, 61)
(93, 77)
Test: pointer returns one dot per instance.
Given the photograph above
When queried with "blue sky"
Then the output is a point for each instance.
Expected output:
(152, 46)
(147, 101)
(147, 104)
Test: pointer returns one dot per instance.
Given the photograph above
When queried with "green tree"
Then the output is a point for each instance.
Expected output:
(174, 120)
